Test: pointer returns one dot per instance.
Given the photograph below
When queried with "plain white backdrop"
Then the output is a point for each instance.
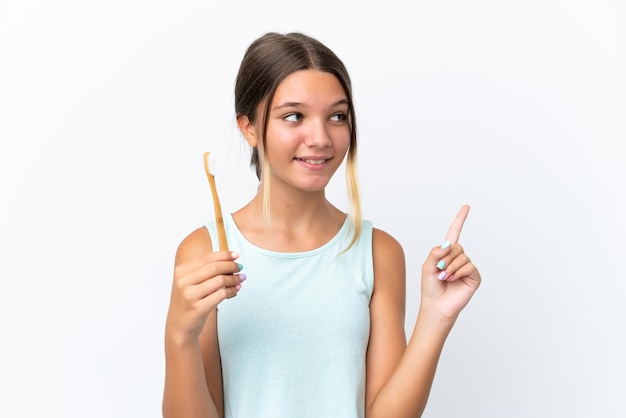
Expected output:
(517, 108)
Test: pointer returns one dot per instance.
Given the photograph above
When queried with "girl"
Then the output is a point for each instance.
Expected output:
(317, 330)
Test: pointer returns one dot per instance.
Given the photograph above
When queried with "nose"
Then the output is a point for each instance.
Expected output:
(318, 136)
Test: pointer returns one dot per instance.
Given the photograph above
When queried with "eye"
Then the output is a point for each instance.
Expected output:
(339, 117)
(293, 117)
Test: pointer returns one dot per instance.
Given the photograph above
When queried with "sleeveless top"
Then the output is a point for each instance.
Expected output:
(294, 339)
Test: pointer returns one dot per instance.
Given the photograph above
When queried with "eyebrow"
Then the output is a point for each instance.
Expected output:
(298, 104)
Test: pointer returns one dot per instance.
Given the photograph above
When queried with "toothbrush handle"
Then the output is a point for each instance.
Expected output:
(219, 220)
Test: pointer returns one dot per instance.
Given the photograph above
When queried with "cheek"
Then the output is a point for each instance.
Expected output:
(342, 141)
(284, 143)
(281, 138)
(281, 146)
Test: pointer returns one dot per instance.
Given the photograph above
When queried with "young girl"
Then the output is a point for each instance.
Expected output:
(317, 329)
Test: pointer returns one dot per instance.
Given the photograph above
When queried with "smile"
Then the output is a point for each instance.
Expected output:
(312, 162)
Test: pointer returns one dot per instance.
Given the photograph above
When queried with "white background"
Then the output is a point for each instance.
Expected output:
(515, 107)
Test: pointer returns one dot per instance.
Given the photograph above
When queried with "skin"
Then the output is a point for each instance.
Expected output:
(307, 138)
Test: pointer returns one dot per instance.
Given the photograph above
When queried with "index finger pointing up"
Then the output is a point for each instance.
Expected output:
(457, 224)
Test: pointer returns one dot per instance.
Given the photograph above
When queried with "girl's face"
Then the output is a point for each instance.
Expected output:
(308, 131)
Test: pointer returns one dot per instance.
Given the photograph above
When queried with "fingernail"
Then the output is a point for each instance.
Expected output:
(242, 277)
(240, 266)
(441, 264)
(442, 275)
(238, 287)
(445, 244)
(234, 254)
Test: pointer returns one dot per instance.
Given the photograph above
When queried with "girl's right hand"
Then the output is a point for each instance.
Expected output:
(200, 284)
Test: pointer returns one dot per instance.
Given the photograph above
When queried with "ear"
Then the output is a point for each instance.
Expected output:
(248, 130)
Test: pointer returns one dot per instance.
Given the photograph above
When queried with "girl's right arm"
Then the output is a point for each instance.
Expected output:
(202, 279)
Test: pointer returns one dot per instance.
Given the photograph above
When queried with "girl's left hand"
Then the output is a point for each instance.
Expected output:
(449, 279)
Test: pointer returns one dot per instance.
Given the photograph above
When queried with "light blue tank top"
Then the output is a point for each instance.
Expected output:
(293, 341)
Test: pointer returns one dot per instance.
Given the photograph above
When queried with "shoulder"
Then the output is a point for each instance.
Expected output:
(389, 267)
(386, 249)
(194, 245)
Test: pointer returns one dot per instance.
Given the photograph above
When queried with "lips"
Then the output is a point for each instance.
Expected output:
(313, 161)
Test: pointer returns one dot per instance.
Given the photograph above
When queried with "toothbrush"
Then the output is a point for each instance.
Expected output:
(209, 168)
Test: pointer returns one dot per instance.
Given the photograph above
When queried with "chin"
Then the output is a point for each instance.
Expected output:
(317, 187)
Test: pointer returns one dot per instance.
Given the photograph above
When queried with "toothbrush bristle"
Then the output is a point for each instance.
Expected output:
(209, 162)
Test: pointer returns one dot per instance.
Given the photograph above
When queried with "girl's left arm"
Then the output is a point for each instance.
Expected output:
(400, 375)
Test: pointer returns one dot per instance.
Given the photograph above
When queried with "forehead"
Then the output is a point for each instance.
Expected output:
(309, 87)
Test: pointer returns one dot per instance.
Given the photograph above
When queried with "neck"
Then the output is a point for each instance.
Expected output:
(297, 222)
(294, 208)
